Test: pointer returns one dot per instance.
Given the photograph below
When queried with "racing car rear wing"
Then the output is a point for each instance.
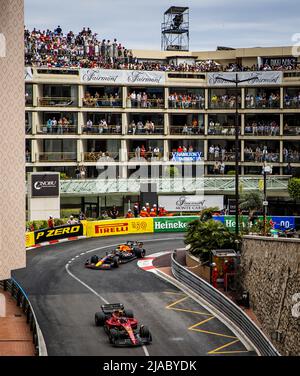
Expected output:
(109, 308)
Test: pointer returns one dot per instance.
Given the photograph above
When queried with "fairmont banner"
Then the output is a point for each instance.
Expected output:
(255, 78)
(190, 203)
(115, 76)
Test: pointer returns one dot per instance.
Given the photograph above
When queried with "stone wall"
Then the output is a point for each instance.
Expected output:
(270, 271)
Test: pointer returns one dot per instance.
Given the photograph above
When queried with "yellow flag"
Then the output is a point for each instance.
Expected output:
(261, 185)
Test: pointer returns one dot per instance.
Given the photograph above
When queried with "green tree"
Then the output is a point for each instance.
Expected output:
(294, 188)
(203, 237)
(252, 201)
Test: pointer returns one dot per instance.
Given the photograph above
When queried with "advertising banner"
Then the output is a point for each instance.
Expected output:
(190, 203)
(260, 78)
(44, 185)
(120, 227)
(115, 76)
(186, 157)
(172, 224)
(60, 232)
(279, 222)
(29, 239)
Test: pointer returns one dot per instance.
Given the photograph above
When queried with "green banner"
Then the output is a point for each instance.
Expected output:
(172, 224)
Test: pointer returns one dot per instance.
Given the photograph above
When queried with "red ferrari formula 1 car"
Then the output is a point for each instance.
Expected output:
(121, 326)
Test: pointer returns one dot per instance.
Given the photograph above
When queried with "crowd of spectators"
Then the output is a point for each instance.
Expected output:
(101, 128)
(47, 48)
(260, 154)
(144, 100)
(224, 101)
(151, 153)
(60, 126)
(262, 128)
(292, 101)
(216, 128)
(111, 100)
(262, 100)
(291, 155)
(186, 101)
(220, 153)
(148, 128)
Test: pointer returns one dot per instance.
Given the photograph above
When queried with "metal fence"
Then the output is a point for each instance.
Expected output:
(224, 305)
(20, 296)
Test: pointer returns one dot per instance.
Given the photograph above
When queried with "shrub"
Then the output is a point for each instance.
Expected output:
(294, 188)
(203, 237)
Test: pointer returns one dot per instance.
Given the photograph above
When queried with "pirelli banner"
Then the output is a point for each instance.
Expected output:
(60, 232)
(30, 241)
(120, 227)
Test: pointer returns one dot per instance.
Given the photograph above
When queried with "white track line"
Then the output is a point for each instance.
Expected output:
(95, 292)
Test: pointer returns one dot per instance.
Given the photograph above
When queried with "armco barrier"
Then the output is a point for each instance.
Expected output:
(224, 305)
(22, 301)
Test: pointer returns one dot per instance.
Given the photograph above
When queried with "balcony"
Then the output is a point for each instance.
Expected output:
(93, 156)
(262, 130)
(262, 102)
(57, 129)
(192, 104)
(291, 130)
(224, 156)
(145, 155)
(147, 129)
(145, 104)
(102, 129)
(57, 102)
(258, 156)
(95, 102)
(186, 130)
(56, 157)
(217, 130)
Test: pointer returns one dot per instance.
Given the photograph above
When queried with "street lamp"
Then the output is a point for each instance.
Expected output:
(266, 170)
(236, 122)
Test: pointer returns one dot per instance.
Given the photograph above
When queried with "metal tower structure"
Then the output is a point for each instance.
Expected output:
(175, 29)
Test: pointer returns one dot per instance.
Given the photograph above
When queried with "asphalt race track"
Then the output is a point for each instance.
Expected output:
(66, 296)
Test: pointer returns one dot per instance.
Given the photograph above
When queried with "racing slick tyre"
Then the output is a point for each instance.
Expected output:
(145, 333)
(139, 253)
(94, 259)
(129, 313)
(115, 262)
(100, 318)
(113, 336)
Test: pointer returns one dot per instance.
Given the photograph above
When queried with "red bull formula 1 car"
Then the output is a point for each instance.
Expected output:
(121, 326)
(121, 255)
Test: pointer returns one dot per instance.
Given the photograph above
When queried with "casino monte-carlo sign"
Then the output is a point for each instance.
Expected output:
(262, 78)
(122, 77)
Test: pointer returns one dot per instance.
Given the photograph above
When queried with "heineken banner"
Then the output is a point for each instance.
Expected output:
(172, 224)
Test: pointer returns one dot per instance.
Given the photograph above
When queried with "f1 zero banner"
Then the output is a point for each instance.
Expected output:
(116, 76)
(120, 227)
(172, 224)
(60, 232)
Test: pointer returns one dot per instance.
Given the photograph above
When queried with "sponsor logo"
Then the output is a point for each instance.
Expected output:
(170, 225)
(139, 226)
(45, 184)
(111, 228)
(51, 233)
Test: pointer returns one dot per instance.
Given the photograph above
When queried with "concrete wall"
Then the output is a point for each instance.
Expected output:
(271, 273)
(12, 135)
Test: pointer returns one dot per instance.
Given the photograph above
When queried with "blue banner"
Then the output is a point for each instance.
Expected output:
(186, 157)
